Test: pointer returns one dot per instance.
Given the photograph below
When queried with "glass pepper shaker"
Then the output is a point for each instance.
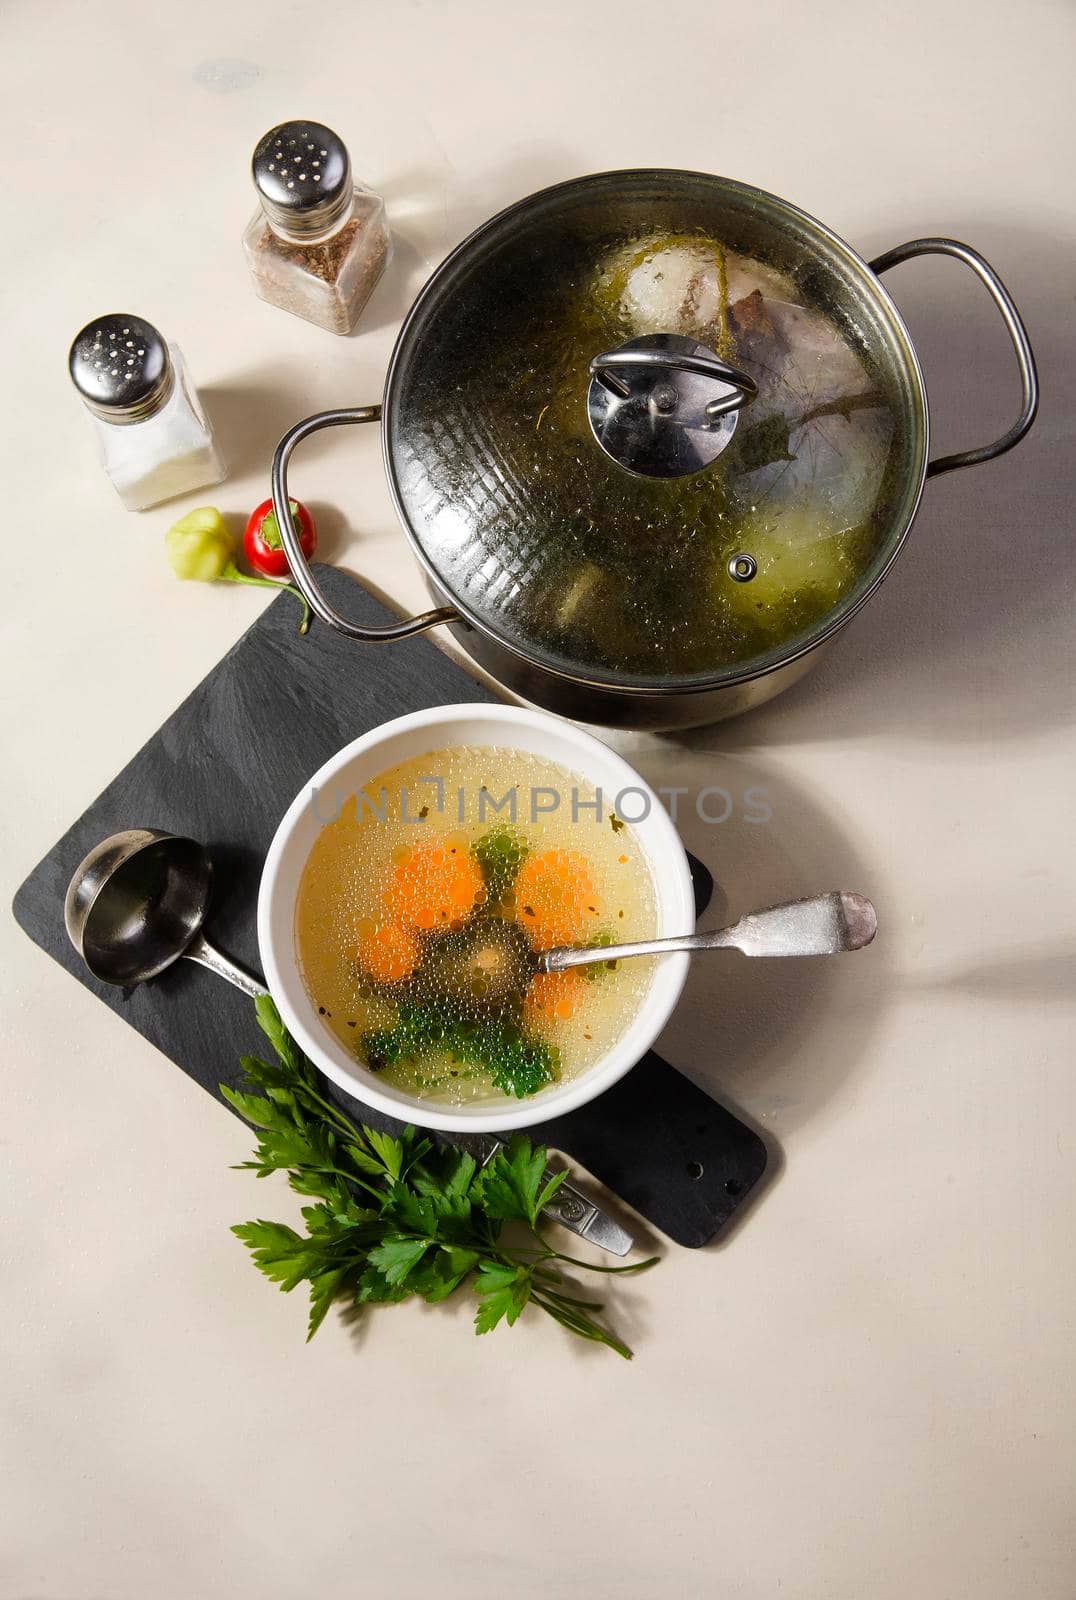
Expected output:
(154, 439)
(318, 242)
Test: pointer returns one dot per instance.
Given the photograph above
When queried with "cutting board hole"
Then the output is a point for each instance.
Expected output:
(733, 1186)
(694, 1169)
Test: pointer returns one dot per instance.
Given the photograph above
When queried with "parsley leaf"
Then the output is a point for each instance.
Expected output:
(503, 1291)
(323, 1291)
(442, 1273)
(447, 1189)
(278, 1251)
(398, 1255)
(389, 1150)
(271, 1024)
(510, 1186)
(375, 1288)
(412, 1211)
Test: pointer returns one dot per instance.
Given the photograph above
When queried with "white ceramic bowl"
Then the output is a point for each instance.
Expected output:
(448, 726)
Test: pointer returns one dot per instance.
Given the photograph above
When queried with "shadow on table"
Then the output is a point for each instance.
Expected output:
(432, 209)
(1042, 977)
(774, 1040)
(250, 414)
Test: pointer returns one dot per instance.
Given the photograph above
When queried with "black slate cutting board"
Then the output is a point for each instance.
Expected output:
(224, 768)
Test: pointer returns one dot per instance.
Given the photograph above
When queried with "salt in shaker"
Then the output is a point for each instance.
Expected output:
(154, 439)
(318, 242)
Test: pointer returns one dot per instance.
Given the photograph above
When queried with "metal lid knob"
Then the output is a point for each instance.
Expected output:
(652, 404)
(121, 368)
(302, 173)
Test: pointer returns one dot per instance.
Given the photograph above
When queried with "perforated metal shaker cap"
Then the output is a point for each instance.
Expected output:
(121, 368)
(302, 173)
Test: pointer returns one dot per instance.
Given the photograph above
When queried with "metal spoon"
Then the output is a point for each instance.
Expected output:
(826, 925)
(137, 903)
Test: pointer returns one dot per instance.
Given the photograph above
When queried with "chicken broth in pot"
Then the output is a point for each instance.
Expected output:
(634, 577)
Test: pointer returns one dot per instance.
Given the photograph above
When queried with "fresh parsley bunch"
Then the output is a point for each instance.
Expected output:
(393, 1218)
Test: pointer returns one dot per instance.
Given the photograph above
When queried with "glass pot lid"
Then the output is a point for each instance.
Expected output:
(655, 429)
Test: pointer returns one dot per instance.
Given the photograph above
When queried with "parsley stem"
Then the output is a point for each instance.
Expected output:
(592, 1266)
(582, 1325)
(572, 1300)
(344, 1123)
(337, 1172)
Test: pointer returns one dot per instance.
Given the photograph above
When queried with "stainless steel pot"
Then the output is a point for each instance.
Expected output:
(661, 407)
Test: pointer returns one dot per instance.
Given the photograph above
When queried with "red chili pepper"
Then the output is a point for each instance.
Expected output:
(263, 545)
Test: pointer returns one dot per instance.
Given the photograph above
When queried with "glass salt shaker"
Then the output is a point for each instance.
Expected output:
(153, 436)
(318, 242)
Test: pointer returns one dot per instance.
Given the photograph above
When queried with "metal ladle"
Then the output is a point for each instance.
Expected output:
(137, 903)
(826, 925)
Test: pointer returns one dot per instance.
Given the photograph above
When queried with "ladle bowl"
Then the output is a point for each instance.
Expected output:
(136, 904)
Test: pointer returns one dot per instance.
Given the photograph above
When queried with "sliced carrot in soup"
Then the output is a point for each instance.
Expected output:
(556, 899)
(553, 997)
(434, 887)
(389, 953)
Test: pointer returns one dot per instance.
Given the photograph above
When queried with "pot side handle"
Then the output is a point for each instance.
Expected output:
(1025, 357)
(304, 579)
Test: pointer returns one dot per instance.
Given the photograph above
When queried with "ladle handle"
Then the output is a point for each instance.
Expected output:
(202, 951)
(304, 579)
(1025, 356)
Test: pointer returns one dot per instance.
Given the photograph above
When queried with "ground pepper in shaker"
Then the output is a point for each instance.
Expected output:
(318, 242)
(153, 436)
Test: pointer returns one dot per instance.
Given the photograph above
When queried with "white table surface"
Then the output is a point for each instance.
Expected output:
(868, 1389)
